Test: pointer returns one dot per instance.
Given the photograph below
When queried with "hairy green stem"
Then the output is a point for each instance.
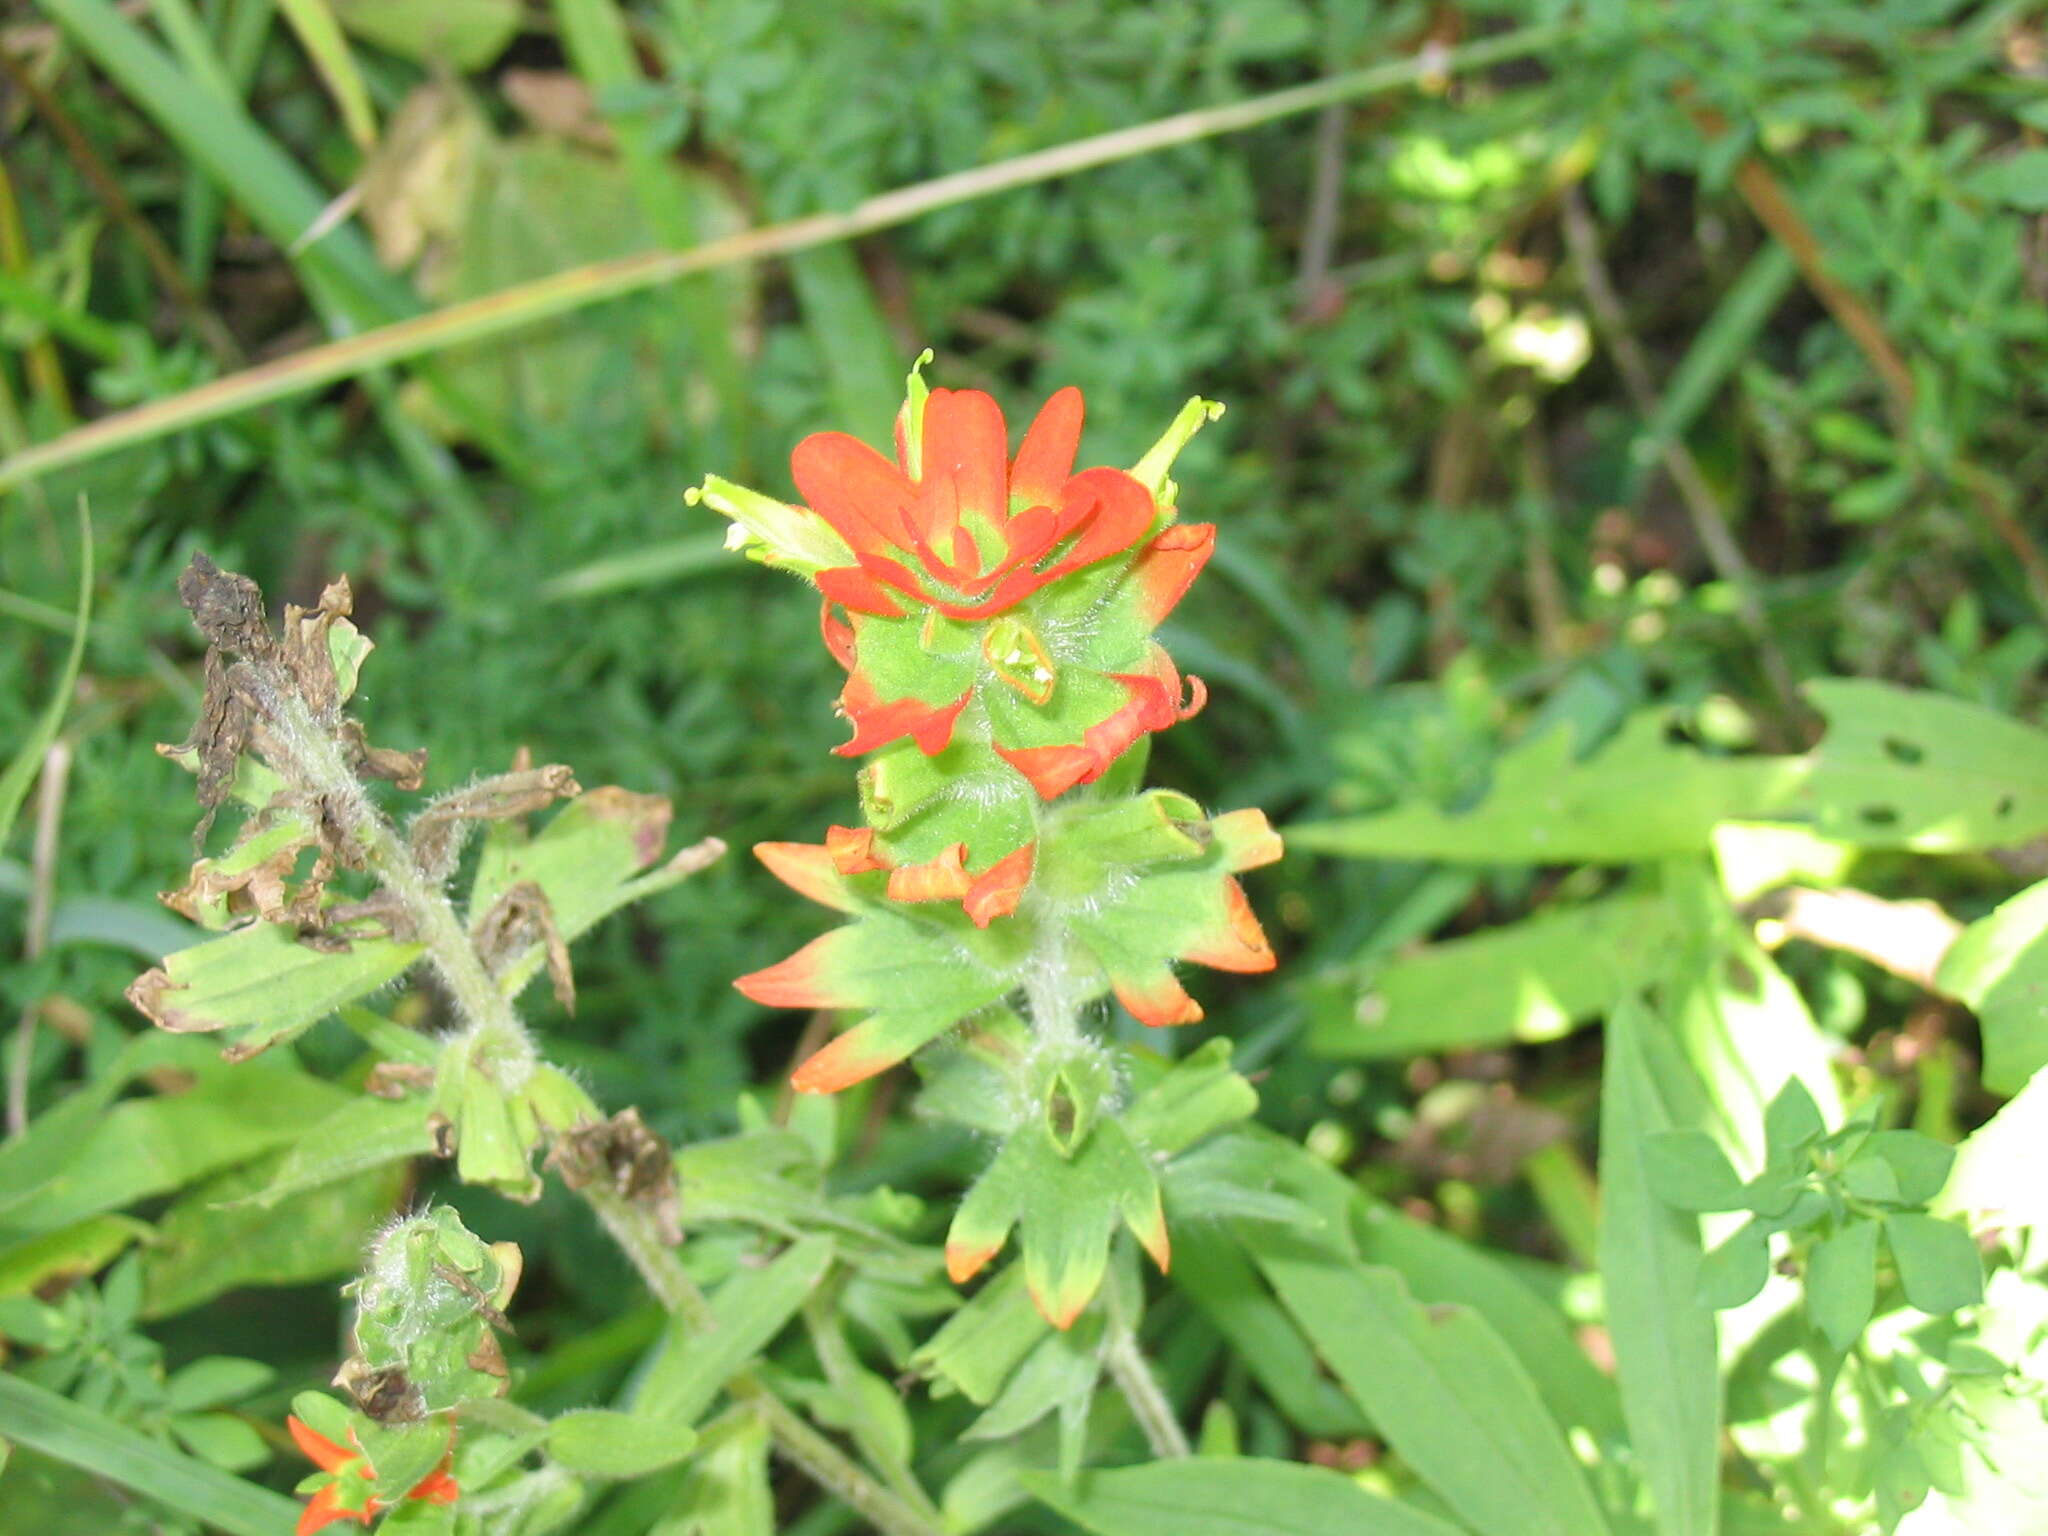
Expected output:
(1133, 1376)
(488, 1018)
(505, 1049)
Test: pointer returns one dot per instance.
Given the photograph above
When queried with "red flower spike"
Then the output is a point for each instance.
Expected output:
(860, 493)
(316, 1447)
(943, 878)
(838, 635)
(324, 1509)
(997, 890)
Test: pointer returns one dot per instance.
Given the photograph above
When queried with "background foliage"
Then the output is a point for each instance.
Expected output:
(1580, 407)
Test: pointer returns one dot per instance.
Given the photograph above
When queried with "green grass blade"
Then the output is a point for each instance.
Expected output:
(221, 137)
(526, 304)
(320, 35)
(21, 771)
(645, 567)
(39, 1419)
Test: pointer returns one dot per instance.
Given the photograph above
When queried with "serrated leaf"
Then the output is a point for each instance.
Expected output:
(1939, 1266)
(1841, 1282)
(1688, 1171)
(599, 1443)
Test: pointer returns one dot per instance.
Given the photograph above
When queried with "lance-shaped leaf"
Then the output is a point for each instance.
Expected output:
(1636, 797)
(261, 985)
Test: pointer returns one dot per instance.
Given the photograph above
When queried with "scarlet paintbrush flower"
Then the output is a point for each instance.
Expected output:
(346, 1496)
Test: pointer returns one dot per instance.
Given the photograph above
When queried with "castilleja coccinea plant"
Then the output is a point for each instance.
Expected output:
(995, 615)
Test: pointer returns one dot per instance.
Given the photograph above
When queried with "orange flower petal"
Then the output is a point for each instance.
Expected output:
(1159, 1001)
(997, 889)
(860, 493)
(851, 587)
(316, 1447)
(324, 1509)
(1046, 458)
(1169, 565)
(877, 723)
(808, 869)
(804, 980)
(943, 878)
(853, 850)
(1238, 943)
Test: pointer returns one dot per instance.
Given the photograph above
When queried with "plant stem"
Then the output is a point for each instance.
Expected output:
(486, 1012)
(1133, 1377)
(505, 1048)
(632, 1227)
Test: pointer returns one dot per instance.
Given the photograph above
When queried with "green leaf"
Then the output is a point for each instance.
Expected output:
(1792, 1121)
(599, 1443)
(752, 1308)
(213, 1380)
(2018, 181)
(27, 762)
(360, 1135)
(1637, 797)
(1997, 1168)
(1444, 1391)
(1211, 1270)
(1841, 1282)
(586, 860)
(460, 35)
(262, 986)
(1194, 1097)
(1664, 1341)
(1061, 1368)
(1999, 966)
(726, 1490)
(1530, 980)
(58, 1259)
(1939, 1266)
(1900, 768)
(1688, 1171)
(1734, 1272)
(215, 1239)
(328, 49)
(40, 1420)
(982, 1343)
(222, 1439)
(144, 1147)
(1230, 1496)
